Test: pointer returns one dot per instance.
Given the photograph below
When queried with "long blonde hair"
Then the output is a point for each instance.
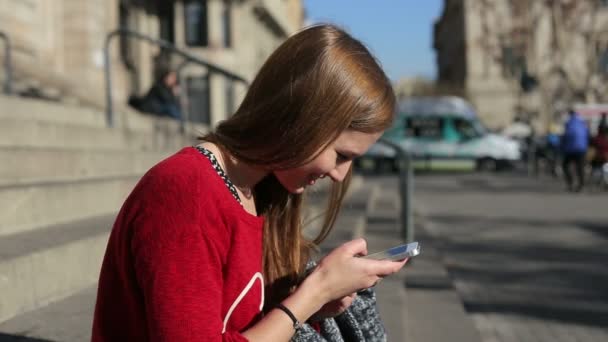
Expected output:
(318, 83)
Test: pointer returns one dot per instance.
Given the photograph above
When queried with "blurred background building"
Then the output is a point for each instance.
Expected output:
(413, 86)
(524, 58)
(57, 46)
(64, 171)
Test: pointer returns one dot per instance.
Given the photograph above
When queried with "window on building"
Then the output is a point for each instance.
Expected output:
(195, 19)
(227, 24)
(166, 13)
(127, 48)
(513, 62)
(123, 22)
(424, 127)
(199, 99)
(229, 96)
(603, 62)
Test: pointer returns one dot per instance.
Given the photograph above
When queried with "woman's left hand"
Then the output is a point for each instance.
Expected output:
(334, 308)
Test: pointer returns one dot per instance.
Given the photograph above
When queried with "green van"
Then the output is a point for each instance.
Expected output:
(443, 133)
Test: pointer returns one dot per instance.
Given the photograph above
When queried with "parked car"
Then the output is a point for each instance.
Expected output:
(444, 133)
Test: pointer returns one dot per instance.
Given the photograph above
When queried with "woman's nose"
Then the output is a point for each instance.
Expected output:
(339, 172)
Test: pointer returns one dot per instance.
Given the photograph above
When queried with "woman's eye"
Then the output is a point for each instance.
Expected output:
(340, 158)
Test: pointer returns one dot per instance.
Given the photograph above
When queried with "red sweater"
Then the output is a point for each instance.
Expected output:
(184, 260)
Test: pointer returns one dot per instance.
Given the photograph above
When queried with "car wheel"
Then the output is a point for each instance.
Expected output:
(383, 165)
(487, 164)
(395, 167)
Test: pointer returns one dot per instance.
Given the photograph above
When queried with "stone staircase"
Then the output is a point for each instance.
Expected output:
(63, 177)
(35, 81)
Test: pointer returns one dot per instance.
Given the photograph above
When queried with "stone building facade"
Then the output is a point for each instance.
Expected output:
(57, 46)
(417, 86)
(525, 58)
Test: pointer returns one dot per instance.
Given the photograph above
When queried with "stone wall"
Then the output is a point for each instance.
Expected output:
(558, 45)
(58, 45)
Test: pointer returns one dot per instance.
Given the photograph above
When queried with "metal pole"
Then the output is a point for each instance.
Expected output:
(108, 78)
(406, 188)
(532, 158)
(183, 96)
(407, 192)
(8, 68)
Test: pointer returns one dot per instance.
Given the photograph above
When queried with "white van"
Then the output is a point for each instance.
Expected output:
(443, 133)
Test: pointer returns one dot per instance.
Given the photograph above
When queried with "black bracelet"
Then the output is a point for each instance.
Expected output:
(296, 324)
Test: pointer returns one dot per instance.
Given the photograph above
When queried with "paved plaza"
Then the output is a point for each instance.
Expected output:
(528, 260)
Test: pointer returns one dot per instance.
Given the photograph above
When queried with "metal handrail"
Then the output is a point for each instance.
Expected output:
(163, 44)
(8, 68)
(406, 187)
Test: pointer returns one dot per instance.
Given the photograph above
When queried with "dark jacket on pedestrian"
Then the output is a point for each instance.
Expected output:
(600, 143)
(576, 136)
(161, 101)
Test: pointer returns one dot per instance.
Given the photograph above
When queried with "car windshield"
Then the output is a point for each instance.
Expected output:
(480, 128)
(469, 128)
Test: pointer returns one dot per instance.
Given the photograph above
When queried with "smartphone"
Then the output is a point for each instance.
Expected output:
(397, 253)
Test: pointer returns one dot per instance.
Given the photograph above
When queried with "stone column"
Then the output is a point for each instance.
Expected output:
(218, 101)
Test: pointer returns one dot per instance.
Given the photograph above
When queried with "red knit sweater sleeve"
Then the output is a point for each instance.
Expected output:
(178, 265)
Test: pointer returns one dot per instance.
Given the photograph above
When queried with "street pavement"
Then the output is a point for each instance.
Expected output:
(528, 260)
(430, 309)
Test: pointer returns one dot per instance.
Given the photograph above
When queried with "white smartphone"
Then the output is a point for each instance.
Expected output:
(397, 253)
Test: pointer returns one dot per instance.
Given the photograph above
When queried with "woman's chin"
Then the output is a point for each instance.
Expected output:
(297, 191)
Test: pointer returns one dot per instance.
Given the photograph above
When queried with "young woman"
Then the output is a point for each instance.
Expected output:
(209, 246)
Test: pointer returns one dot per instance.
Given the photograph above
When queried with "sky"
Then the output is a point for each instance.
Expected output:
(398, 32)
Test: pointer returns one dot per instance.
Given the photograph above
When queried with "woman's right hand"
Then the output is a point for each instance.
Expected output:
(342, 272)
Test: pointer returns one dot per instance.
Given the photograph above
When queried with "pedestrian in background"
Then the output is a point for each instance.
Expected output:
(553, 151)
(574, 144)
(209, 245)
(600, 154)
(162, 98)
(603, 124)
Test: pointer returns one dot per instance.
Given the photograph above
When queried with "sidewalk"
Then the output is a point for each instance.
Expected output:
(420, 303)
(528, 260)
(370, 214)
(429, 310)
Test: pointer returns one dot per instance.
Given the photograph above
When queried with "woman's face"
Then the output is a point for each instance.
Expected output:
(333, 162)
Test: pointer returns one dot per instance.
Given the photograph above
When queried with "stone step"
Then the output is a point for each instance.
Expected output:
(20, 108)
(46, 265)
(69, 319)
(33, 109)
(34, 205)
(44, 164)
(26, 122)
(38, 110)
(32, 133)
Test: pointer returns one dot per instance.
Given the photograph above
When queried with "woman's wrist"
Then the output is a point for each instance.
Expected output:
(308, 298)
(316, 282)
